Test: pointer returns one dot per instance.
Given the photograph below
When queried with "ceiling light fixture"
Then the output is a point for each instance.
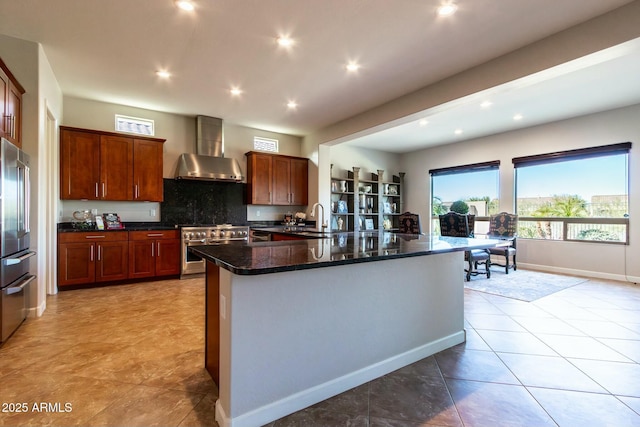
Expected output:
(352, 66)
(292, 105)
(284, 41)
(423, 122)
(447, 9)
(458, 131)
(235, 91)
(518, 117)
(163, 74)
(185, 5)
(486, 104)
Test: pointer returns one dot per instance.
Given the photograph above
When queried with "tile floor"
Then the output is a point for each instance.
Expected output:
(132, 355)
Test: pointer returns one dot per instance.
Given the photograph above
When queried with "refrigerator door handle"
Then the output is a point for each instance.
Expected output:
(19, 288)
(14, 261)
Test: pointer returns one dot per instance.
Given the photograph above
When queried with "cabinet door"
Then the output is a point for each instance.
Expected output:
(4, 91)
(167, 257)
(259, 167)
(281, 181)
(299, 181)
(79, 165)
(116, 168)
(14, 113)
(147, 171)
(111, 261)
(141, 259)
(76, 263)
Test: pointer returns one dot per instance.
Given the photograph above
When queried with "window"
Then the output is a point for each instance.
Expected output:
(134, 125)
(577, 195)
(265, 144)
(477, 185)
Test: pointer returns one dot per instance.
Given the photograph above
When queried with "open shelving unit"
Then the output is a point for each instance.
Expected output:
(365, 203)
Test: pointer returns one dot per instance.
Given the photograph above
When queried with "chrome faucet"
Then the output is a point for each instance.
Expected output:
(313, 209)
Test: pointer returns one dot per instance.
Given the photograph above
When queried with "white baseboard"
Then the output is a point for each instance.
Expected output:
(37, 311)
(581, 273)
(313, 395)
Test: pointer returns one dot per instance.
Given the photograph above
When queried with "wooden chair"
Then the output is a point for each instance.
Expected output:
(504, 226)
(453, 224)
(409, 223)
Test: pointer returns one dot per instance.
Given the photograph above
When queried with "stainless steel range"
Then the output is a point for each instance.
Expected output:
(207, 235)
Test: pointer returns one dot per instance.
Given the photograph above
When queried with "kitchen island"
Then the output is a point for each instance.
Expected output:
(292, 323)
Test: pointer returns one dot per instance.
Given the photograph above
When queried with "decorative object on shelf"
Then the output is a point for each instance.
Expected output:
(386, 224)
(340, 224)
(392, 189)
(342, 207)
(112, 221)
(368, 224)
(387, 208)
(300, 218)
(343, 186)
(367, 189)
(334, 186)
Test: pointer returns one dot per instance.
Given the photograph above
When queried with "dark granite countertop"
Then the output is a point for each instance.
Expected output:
(68, 227)
(251, 258)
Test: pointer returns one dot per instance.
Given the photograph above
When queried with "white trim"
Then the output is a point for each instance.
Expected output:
(336, 386)
(582, 273)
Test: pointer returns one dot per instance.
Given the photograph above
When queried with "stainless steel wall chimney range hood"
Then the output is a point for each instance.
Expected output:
(209, 163)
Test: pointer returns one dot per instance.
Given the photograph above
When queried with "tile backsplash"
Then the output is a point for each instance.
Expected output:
(203, 202)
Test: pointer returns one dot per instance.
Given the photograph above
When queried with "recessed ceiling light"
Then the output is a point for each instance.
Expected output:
(185, 5)
(423, 122)
(235, 91)
(447, 9)
(486, 104)
(163, 74)
(458, 131)
(285, 41)
(292, 105)
(518, 117)
(352, 66)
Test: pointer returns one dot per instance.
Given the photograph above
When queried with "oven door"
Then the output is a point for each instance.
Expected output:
(191, 264)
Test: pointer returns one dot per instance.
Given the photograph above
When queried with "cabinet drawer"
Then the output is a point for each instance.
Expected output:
(154, 234)
(97, 236)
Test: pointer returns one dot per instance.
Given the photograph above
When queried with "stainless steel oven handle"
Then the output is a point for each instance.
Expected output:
(14, 261)
(19, 288)
(196, 241)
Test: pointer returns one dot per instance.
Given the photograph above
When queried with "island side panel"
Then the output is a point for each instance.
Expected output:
(212, 325)
(296, 338)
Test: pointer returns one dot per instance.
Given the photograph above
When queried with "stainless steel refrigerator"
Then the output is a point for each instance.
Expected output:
(14, 236)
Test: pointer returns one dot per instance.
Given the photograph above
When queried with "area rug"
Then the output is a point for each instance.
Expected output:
(524, 285)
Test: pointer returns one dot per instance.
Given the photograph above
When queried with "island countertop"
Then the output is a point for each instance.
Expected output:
(251, 258)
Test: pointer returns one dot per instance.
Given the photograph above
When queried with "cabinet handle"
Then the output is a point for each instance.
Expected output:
(292, 197)
(152, 250)
(91, 253)
(136, 192)
(94, 237)
(104, 192)
(155, 235)
(97, 195)
(158, 249)
(99, 253)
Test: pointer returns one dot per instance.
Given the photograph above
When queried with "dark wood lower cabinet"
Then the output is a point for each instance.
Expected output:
(86, 258)
(154, 253)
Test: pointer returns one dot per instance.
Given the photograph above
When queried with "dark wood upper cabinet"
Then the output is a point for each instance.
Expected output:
(97, 165)
(10, 106)
(276, 179)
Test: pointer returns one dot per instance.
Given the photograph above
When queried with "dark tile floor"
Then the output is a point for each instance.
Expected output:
(132, 355)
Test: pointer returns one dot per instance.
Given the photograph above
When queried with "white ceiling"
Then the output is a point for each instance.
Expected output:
(110, 50)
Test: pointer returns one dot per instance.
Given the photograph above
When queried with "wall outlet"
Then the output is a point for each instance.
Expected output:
(257, 213)
(94, 212)
(152, 212)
